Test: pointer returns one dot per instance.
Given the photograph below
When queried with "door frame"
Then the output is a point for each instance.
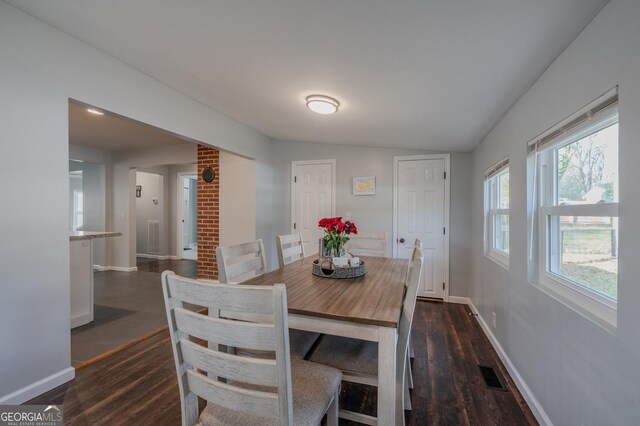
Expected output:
(179, 213)
(447, 201)
(293, 187)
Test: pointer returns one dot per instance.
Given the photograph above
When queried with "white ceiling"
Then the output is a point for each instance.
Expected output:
(110, 132)
(431, 74)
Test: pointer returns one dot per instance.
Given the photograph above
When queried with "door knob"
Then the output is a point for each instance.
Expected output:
(401, 240)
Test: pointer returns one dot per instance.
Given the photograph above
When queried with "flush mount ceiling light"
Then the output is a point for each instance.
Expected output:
(322, 104)
(95, 111)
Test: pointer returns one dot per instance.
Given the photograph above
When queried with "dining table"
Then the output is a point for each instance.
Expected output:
(367, 308)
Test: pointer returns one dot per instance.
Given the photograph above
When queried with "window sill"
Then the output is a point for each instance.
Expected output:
(600, 312)
(498, 257)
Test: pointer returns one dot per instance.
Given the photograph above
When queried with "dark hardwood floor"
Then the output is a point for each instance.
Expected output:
(138, 385)
(184, 267)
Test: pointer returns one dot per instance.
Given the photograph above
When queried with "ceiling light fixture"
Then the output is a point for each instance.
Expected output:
(322, 104)
(95, 111)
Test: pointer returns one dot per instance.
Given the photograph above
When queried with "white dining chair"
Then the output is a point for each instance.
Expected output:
(290, 248)
(240, 262)
(372, 244)
(241, 390)
(417, 247)
(358, 359)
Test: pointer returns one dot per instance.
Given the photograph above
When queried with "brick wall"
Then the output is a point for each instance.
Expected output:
(208, 213)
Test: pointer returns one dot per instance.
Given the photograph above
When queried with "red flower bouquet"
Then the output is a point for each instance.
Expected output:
(336, 234)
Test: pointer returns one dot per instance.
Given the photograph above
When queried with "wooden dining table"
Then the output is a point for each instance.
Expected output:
(366, 308)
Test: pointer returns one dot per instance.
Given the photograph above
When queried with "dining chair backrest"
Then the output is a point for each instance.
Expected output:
(408, 308)
(240, 262)
(200, 369)
(290, 248)
(368, 244)
(417, 245)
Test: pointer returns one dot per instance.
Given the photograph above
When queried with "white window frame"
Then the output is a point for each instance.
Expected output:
(595, 306)
(492, 202)
(78, 210)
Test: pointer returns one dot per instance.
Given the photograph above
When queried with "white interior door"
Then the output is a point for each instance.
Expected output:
(312, 199)
(420, 189)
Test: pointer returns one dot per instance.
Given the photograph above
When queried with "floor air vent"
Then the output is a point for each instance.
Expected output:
(491, 378)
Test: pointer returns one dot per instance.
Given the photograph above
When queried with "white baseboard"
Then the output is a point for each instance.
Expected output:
(101, 268)
(532, 401)
(39, 387)
(152, 256)
(158, 257)
(459, 300)
(81, 320)
(123, 269)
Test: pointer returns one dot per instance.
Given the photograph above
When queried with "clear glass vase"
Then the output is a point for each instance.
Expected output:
(333, 252)
(339, 251)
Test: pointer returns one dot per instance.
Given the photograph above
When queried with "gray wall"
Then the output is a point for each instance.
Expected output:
(460, 224)
(41, 69)
(237, 199)
(579, 373)
(374, 213)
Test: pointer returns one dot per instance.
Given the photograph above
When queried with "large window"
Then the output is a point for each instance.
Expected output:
(578, 211)
(497, 212)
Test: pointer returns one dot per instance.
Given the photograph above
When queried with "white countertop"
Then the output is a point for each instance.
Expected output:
(88, 235)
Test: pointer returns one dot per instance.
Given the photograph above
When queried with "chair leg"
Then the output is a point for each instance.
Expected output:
(409, 373)
(332, 411)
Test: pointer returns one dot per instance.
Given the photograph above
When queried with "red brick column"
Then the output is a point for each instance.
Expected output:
(208, 213)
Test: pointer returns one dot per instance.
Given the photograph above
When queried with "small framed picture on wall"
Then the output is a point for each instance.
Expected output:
(364, 185)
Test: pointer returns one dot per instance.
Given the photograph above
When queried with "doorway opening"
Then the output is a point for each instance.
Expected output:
(123, 177)
(188, 216)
